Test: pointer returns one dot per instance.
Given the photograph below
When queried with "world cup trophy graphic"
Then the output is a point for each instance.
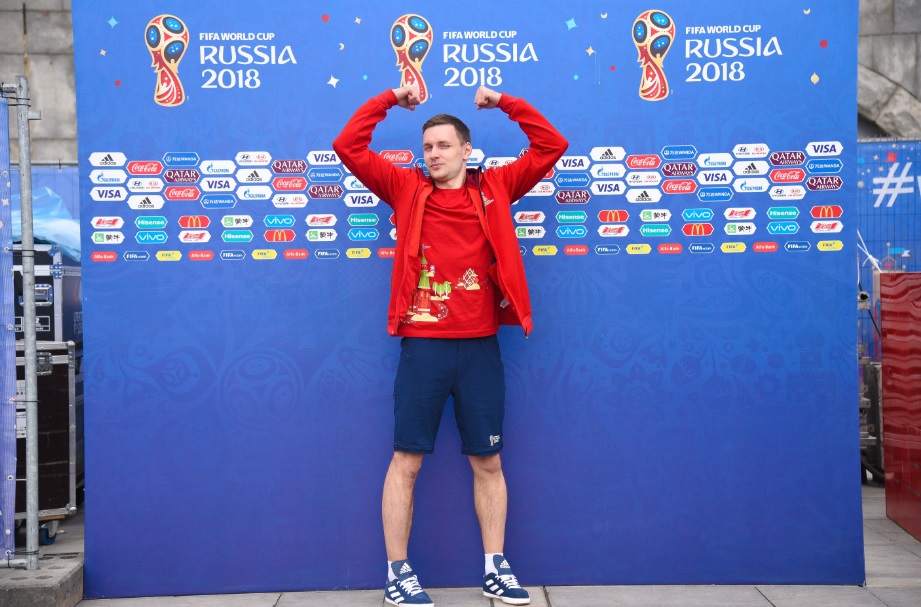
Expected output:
(411, 37)
(653, 33)
(167, 39)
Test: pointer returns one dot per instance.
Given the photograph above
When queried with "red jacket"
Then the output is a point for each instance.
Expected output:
(491, 192)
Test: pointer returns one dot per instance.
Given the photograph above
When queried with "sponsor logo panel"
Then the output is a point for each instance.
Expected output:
(144, 167)
(194, 221)
(107, 159)
(217, 167)
(326, 220)
(826, 211)
(715, 161)
(655, 215)
(107, 223)
(701, 247)
(824, 148)
(296, 253)
(169, 255)
(251, 175)
(751, 168)
(721, 194)
(543, 188)
(740, 228)
(822, 183)
(181, 176)
(679, 186)
(108, 238)
(253, 159)
(751, 150)
(136, 256)
(733, 247)
(530, 232)
(181, 159)
(218, 184)
(697, 229)
(644, 179)
(101, 194)
(571, 231)
(799, 246)
(613, 230)
(357, 253)
(638, 249)
(573, 196)
(643, 161)
(150, 222)
(601, 154)
(787, 192)
(530, 217)
(679, 169)
(140, 202)
(182, 192)
(782, 227)
(716, 177)
(782, 213)
(254, 192)
(545, 250)
(298, 167)
(322, 235)
(607, 249)
(822, 227)
(149, 184)
(612, 216)
(644, 196)
(787, 158)
(108, 176)
(218, 201)
(824, 166)
(191, 236)
(608, 171)
(765, 247)
(671, 248)
(829, 245)
(104, 256)
(608, 188)
(572, 163)
(655, 230)
(289, 201)
(697, 214)
(679, 152)
(576, 249)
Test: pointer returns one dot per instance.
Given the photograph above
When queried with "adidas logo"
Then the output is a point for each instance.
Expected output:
(644, 197)
(405, 569)
(608, 155)
(107, 160)
(254, 176)
(751, 169)
(146, 200)
(504, 565)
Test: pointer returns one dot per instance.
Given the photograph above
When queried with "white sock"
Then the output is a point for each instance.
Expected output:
(390, 574)
(491, 564)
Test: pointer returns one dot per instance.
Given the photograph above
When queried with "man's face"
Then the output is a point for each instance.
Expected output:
(445, 155)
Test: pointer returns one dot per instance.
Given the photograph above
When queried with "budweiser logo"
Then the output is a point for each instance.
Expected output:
(643, 161)
(397, 156)
(144, 167)
(738, 213)
(611, 230)
(107, 222)
(825, 226)
(679, 186)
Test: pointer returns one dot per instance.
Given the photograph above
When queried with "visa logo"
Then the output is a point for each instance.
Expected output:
(608, 188)
(572, 163)
(324, 157)
(150, 237)
(109, 193)
(363, 234)
(824, 148)
(218, 184)
(279, 221)
(571, 231)
(714, 177)
(783, 227)
(361, 200)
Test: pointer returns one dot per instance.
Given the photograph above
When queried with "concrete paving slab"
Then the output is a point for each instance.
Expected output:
(898, 597)
(875, 538)
(820, 596)
(266, 599)
(344, 598)
(58, 582)
(656, 596)
(458, 597)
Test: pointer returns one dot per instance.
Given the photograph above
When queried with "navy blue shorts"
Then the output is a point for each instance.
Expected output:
(432, 369)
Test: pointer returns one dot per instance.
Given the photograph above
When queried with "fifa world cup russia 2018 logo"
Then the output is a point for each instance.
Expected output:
(653, 33)
(167, 39)
(411, 37)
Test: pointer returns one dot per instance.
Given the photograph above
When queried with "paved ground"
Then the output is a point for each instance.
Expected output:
(893, 562)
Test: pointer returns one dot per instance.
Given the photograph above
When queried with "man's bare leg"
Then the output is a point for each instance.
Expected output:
(397, 503)
(490, 497)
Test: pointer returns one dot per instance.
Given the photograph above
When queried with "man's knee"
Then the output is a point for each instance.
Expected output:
(407, 464)
(486, 465)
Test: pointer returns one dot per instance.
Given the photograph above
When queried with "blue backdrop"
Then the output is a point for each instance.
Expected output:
(685, 409)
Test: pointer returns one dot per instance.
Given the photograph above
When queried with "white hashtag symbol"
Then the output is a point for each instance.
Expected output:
(892, 185)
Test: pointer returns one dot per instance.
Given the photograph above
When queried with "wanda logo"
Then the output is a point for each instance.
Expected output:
(397, 156)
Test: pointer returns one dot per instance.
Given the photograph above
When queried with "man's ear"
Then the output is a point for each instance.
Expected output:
(468, 149)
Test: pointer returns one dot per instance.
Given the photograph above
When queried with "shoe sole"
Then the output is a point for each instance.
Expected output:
(508, 601)
(386, 600)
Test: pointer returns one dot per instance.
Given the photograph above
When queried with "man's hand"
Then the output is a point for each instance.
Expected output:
(407, 96)
(486, 99)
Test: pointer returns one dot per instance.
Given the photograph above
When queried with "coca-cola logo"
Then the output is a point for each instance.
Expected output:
(144, 167)
(787, 175)
(679, 169)
(643, 161)
(289, 184)
(181, 176)
(181, 193)
(679, 186)
(397, 156)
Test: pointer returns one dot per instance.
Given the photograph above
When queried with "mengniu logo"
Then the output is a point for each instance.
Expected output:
(653, 33)
(411, 38)
(167, 39)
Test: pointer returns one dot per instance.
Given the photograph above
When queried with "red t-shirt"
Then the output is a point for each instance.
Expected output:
(455, 297)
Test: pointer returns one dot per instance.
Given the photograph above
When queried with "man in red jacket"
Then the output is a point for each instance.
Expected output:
(457, 275)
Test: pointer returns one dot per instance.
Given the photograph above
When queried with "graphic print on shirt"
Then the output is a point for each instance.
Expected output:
(427, 304)
(469, 281)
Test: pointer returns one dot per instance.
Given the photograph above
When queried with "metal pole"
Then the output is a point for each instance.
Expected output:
(23, 115)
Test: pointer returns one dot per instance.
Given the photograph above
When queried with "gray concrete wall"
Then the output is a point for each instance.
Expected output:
(889, 65)
(36, 39)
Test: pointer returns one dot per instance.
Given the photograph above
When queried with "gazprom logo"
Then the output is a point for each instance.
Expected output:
(697, 215)
(364, 234)
(571, 231)
(278, 221)
(783, 227)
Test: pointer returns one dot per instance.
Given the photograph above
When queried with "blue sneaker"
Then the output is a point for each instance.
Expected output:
(504, 585)
(405, 590)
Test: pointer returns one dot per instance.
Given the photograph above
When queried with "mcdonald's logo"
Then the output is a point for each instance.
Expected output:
(827, 211)
(279, 235)
(194, 221)
(613, 216)
(697, 229)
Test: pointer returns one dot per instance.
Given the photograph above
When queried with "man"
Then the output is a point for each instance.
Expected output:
(457, 275)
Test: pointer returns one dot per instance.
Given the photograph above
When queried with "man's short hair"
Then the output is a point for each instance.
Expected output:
(463, 131)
